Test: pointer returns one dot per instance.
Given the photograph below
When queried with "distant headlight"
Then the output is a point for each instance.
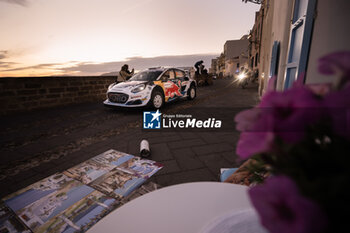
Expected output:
(138, 88)
(241, 76)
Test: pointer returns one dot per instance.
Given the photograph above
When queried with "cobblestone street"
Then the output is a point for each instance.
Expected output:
(37, 144)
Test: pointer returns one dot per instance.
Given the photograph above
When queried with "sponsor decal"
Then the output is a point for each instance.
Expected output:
(135, 97)
(172, 90)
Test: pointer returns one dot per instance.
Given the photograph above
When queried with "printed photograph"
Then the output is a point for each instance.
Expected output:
(112, 157)
(117, 183)
(81, 215)
(146, 188)
(9, 222)
(42, 201)
(88, 171)
(140, 167)
(36, 191)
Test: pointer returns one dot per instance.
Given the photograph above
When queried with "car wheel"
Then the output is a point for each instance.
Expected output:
(157, 99)
(192, 93)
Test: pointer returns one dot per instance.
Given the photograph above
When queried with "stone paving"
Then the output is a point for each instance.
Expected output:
(38, 144)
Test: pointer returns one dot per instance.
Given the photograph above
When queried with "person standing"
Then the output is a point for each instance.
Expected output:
(124, 73)
(198, 66)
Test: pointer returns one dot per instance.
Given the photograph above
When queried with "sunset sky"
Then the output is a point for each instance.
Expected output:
(91, 37)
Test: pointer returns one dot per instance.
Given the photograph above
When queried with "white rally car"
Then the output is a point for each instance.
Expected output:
(152, 87)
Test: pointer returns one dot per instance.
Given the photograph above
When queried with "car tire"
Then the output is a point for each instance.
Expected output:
(192, 93)
(157, 100)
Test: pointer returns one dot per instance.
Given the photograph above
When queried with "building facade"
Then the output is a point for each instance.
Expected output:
(220, 65)
(213, 68)
(236, 55)
(295, 34)
(255, 41)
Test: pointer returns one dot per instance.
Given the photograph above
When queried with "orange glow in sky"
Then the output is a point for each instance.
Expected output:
(40, 37)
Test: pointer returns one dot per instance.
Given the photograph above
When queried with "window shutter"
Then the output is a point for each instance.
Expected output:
(299, 40)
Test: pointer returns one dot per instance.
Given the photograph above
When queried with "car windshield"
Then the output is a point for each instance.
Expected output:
(148, 75)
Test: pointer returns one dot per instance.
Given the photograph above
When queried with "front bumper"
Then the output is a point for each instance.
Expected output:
(132, 100)
(130, 104)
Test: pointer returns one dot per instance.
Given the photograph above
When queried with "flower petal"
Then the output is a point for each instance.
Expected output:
(251, 143)
(283, 209)
(335, 62)
(246, 119)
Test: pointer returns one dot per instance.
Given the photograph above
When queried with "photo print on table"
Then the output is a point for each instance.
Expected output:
(82, 215)
(140, 167)
(88, 171)
(117, 183)
(9, 221)
(113, 158)
(38, 204)
(77, 198)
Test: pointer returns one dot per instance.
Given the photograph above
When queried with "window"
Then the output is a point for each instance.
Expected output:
(148, 75)
(179, 74)
(165, 76)
(299, 40)
(274, 59)
(168, 75)
(171, 74)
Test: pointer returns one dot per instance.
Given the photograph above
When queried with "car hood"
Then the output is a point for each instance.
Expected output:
(126, 85)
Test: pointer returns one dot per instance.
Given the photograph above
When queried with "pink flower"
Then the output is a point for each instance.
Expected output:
(279, 114)
(253, 139)
(283, 209)
(251, 143)
(291, 112)
(271, 85)
(334, 63)
(320, 89)
(246, 119)
(338, 104)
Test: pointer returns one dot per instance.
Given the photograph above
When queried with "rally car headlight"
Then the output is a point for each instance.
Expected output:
(138, 88)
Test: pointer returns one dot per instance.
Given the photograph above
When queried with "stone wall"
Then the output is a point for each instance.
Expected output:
(28, 93)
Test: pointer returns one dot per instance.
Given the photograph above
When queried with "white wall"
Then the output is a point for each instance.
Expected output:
(277, 29)
(234, 48)
(280, 30)
(266, 45)
(229, 67)
(330, 34)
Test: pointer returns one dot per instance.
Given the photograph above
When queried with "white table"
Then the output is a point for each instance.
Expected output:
(179, 209)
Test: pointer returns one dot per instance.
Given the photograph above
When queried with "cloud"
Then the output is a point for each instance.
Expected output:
(3, 54)
(38, 67)
(139, 63)
(7, 65)
(17, 2)
(3, 64)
